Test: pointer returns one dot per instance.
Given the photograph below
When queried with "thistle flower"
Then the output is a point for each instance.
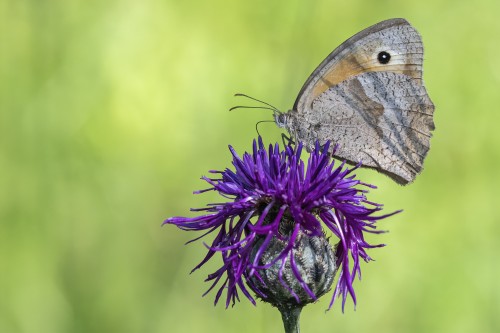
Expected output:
(270, 234)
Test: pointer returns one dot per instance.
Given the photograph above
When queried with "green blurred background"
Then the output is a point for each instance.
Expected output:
(112, 110)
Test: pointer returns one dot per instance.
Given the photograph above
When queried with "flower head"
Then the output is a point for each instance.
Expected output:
(276, 199)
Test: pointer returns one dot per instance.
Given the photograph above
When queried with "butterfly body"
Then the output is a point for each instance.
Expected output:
(368, 97)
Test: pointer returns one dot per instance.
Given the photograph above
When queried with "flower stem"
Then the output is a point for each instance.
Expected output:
(290, 316)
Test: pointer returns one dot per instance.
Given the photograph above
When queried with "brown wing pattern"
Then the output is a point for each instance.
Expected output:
(377, 111)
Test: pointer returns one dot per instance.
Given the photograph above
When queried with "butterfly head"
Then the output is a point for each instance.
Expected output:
(281, 119)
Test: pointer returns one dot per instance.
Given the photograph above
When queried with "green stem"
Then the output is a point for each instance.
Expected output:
(290, 316)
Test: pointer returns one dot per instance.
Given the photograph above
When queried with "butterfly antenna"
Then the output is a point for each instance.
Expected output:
(258, 100)
(251, 107)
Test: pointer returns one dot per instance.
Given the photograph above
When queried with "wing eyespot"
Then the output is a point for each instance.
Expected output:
(383, 57)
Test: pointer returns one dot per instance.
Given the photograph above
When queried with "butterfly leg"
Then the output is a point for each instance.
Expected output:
(287, 141)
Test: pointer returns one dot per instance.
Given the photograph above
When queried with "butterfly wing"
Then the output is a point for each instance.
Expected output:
(381, 119)
(379, 113)
(359, 54)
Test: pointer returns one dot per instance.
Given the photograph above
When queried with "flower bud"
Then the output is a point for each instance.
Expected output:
(299, 281)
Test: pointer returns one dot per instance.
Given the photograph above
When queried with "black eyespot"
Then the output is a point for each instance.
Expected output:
(384, 57)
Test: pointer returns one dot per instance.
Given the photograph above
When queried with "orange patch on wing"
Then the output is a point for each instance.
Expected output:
(356, 64)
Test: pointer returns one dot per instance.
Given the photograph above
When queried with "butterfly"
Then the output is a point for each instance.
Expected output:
(368, 97)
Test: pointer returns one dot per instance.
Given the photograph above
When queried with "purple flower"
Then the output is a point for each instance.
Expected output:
(274, 197)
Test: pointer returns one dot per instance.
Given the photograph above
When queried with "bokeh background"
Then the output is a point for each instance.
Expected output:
(111, 111)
